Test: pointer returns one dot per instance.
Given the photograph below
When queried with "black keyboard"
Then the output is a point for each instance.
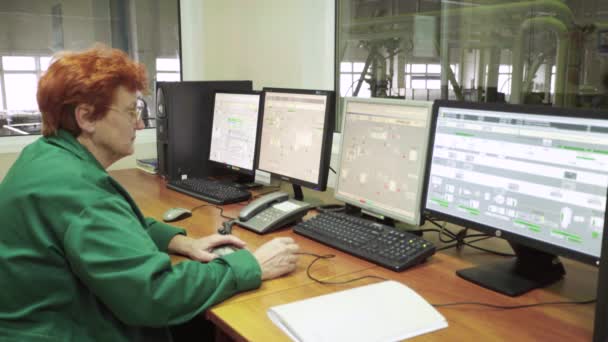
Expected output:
(375, 242)
(210, 190)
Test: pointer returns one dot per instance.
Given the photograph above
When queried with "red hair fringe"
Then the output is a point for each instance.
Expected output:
(88, 77)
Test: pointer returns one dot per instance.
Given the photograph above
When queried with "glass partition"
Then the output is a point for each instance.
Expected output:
(548, 52)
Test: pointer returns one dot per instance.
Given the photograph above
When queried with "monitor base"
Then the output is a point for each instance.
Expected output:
(531, 269)
(248, 185)
(358, 212)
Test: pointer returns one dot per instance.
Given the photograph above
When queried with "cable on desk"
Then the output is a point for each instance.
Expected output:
(329, 256)
(443, 230)
(214, 206)
(226, 225)
(201, 206)
(467, 243)
(512, 307)
(226, 228)
(222, 213)
(460, 238)
(332, 170)
(440, 305)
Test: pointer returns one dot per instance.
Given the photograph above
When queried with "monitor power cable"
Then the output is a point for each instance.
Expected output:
(440, 305)
(460, 239)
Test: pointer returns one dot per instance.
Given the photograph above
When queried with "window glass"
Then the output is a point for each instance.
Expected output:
(503, 69)
(497, 51)
(418, 68)
(19, 63)
(2, 108)
(433, 84)
(419, 84)
(44, 63)
(33, 31)
(346, 67)
(346, 80)
(433, 68)
(167, 76)
(167, 64)
(21, 92)
(358, 67)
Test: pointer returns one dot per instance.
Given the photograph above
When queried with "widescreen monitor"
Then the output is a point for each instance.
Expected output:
(600, 321)
(536, 176)
(295, 137)
(383, 155)
(234, 130)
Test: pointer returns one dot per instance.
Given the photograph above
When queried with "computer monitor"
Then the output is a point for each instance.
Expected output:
(295, 138)
(234, 130)
(600, 321)
(383, 155)
(535, 176)
(183, 126)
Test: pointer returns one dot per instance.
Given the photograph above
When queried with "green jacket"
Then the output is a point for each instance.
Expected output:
(79, 262)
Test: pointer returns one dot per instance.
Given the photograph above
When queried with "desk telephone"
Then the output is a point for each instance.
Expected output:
(271, 212)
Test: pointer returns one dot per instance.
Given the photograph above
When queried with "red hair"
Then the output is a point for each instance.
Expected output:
(88, 77)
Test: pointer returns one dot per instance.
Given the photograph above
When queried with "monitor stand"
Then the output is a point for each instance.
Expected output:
(530, 269)
(246, 182)
(356, 211)
(297, 192)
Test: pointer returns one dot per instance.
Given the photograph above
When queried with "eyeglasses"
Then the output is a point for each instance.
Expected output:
(134, 114)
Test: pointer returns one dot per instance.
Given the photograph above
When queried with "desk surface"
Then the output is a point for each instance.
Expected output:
(435, 280)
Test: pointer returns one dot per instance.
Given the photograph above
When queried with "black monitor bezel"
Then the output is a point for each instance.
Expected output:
(321, 184)
(235, 168)
(507, 235)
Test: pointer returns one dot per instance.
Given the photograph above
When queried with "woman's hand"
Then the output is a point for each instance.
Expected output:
(277, 257)
(200, 249)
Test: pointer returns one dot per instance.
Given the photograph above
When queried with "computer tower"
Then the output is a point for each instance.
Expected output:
(600, 325)
(183, 126)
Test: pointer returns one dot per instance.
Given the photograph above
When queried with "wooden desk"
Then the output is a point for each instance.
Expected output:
(153, 198)
(243, 317)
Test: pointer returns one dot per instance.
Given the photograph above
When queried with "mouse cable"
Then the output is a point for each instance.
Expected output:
(201, 206)
(324, 282)
(216, 207)
(222, 213)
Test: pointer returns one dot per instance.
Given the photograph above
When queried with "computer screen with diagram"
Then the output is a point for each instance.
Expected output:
(295, 141)
(234, 130)
(382, 159)
(294, 145)
(536, 176)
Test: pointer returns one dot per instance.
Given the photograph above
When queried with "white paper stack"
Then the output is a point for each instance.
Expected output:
(386, 311)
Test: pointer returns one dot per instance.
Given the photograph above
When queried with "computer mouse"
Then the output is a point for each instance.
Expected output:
(175, 214)
(223, 250)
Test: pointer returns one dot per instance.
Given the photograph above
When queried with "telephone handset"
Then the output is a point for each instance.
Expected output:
(262, 203)
(272, 211)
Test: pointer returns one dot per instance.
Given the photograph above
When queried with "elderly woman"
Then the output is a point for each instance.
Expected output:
(78, 260)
